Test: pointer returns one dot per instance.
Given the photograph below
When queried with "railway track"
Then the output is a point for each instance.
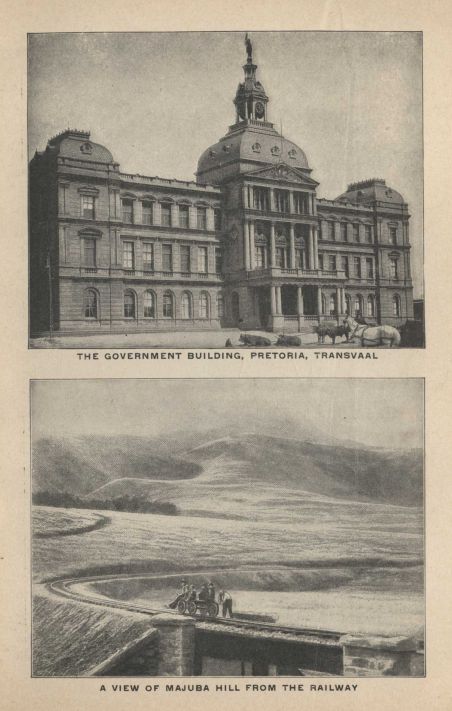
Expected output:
(63, 588)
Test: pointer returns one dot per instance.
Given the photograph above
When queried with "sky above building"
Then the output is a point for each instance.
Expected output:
(351, 100)
(375, 412)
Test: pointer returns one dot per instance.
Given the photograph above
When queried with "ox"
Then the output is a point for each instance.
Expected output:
(284, 340)
(249, 340)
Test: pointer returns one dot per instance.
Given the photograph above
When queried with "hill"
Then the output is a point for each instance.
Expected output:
(229, 476)
(84, 464)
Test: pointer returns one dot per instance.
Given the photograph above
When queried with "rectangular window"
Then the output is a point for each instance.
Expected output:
(368, 233)
(357, 264)
(201, 218)
(89, 252)
(393, 235)
(356, 233)
(128, 255)
(148, 257)
(261, 199)
(282, 200)
(344, 265)
(260, 256)
(301, 203)
(332, 263)
(321, 262)
(166, 214)
(393, 267)
(218, 260)
(331, 231)
(183, 216)
(88, 207)
(167, 257)
(127, 211)
(147, 213)
(280, 257)
(185, 259)
(202, 260)
(217, 219)
(369, 268)
(344, 232)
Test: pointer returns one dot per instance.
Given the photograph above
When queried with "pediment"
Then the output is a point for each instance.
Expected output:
(283, 173)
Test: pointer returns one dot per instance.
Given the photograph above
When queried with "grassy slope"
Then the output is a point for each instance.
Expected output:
(230, 469)
(82, 465)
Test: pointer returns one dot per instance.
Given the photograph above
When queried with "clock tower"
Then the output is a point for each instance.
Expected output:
(250, 100)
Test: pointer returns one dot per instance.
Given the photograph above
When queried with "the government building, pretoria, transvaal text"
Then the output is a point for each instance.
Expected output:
(249, 244)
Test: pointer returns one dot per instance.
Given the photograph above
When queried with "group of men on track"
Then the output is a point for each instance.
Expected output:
(206, 593)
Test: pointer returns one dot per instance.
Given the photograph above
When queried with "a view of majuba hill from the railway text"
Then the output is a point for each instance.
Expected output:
(297, 201)
(228, 527)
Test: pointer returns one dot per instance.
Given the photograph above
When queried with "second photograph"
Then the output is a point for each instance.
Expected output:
(228, 527)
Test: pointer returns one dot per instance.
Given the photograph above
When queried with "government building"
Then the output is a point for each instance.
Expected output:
(248, 245)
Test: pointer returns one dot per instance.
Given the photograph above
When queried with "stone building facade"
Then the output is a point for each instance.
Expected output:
(249, 244)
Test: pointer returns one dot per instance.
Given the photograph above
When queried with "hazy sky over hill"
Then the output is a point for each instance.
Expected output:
(351, 100)
(375, 412)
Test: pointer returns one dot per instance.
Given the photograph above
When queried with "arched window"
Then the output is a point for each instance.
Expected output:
(203, 305)
(348, 304)
(149, 304)
(168, 305)
(332, 305)
(358, 305)
(370, 305)
(90, 303)
(186, 309)
(129, 304)
(220, 306)
(396, 310)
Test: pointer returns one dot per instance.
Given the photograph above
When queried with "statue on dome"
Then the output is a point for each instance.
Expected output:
(249, 48)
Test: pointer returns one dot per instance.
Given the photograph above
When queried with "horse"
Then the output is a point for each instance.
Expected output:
(373, 335)
(331, 329)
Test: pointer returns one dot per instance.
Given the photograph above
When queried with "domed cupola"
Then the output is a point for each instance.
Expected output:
(251, 142)
(250, 100)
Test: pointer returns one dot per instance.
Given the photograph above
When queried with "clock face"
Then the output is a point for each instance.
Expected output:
(260, 111)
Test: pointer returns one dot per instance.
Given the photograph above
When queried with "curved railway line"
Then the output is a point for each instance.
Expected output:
(63, 588)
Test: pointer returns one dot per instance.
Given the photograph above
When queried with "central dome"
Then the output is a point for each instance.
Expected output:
(246, 148)
(252, 141)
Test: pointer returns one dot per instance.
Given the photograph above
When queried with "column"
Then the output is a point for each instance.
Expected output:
(273, 300)
(246, 246)
(272, 200)
(63, 244)
(292, 245)
(344, 303)
(300, 305)
(291, 203)
(278, 300)
(252, 245)
(117, 205)
(311, 247)
(338, 302)
(118, 255)
(245, 196)
(319, 300)
(272, 245)
(316, 248)
(62, 198)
